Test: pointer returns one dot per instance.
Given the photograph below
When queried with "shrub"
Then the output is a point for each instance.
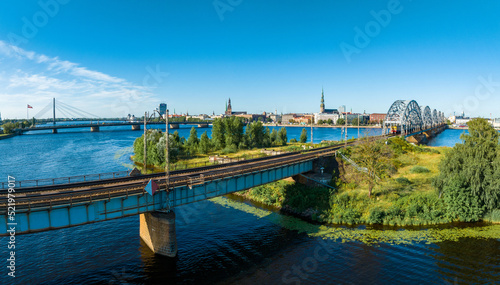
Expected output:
(229, 149)
(376, 216)
(493, 216)
(293, 140)
(403, 181)
(419, 169)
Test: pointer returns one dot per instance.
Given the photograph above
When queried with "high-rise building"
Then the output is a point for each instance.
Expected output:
(163, 109)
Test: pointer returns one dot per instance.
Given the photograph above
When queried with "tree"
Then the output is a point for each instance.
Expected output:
(233, 127)
(274, 136)
(266, 141)
(341, 121)
(330, 122)
(218, 134)
(475, 164)
(282, 137)
(192, 142)
(8, 127)
(375, 157)
(303, 136)
(255, 134)
(204, 145)
(355, 122)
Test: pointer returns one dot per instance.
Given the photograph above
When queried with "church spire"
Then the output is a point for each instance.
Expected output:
(322, 105)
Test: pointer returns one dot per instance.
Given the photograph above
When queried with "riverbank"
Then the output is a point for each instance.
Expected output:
(6, 136)
(323, 126)
(407, 198)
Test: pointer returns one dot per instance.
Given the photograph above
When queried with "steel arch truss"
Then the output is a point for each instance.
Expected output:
(426, 117)
(409, 117)
(405, 113)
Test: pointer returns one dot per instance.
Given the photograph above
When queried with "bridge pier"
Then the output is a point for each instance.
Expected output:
(174, 126)
(136, 127)
(54, 131)
(94, 129)
(157, 230)
(203, 125)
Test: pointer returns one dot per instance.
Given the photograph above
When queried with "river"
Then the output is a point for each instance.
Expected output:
(228, 240)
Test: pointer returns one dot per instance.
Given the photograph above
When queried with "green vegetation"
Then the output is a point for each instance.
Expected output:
(228, 137)
(403, 196)
(469, 177)
(367, 236)
(9, 126)
(303, 136)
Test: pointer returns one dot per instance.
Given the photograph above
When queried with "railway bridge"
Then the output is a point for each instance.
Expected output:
(417, 124)
(78, 201)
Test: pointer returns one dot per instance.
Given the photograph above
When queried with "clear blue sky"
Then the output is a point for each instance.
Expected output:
(265, 55)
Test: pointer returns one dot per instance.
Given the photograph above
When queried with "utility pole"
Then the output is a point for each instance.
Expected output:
(358, 126)
(167, 162)
(145, 144)
(312, 119)
(345, 127)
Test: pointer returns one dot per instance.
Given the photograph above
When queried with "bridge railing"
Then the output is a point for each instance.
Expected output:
(64, 180)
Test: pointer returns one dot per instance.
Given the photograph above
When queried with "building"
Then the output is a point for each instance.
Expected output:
(297, 118)
(461, 121)
(162, 109)
(342, 109)
(229, 110)
(377, 118)
(325, 114)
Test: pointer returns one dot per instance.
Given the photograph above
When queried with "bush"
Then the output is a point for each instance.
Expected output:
(493, 216)
(293, 140)
(403, 181)
(229, 149)
(376, 216)
(419, 169)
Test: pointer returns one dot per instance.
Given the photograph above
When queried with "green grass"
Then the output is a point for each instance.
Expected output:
(493, 216)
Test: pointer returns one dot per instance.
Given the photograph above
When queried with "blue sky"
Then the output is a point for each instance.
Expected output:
(112, 58)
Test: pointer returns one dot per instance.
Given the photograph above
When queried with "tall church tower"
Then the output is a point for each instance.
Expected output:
(322, 106)
(229, 109)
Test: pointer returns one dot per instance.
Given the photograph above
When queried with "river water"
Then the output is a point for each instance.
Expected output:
(228, 240)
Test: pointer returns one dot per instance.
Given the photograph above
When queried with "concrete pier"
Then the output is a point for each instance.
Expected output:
(136, 127)
(203, 125)
(157, 230)
(54, 131)
(174, 126)
(94, 129)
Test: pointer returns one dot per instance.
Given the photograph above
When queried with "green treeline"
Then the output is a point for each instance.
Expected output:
(463, 186)
(228, 136)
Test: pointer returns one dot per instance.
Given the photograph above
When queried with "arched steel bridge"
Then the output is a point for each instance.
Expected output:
(410, 117)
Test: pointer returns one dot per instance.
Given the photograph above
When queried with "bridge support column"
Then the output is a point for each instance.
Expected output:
(157, 230)
(202, 125)
(174, 126)
(136, 127)
(94, 129)
(54, 131)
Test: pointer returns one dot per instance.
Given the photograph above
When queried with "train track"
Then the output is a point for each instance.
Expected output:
(86, 192)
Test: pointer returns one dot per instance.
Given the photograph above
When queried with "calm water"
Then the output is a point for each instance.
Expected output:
(226, 241)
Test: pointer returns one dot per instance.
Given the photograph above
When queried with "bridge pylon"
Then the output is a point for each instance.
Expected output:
(157, 230)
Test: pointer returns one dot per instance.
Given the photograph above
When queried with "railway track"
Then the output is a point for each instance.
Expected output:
(86, 192)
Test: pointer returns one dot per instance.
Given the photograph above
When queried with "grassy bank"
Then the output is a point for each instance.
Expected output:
(406, 198)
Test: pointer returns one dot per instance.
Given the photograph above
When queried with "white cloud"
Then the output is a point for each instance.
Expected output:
(31, 77)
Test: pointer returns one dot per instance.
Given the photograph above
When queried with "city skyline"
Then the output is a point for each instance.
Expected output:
(264, 56)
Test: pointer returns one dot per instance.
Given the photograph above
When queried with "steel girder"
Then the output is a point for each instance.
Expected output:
(405, 113)
(426, 117)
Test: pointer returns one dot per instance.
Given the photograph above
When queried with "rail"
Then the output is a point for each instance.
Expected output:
(63, 180)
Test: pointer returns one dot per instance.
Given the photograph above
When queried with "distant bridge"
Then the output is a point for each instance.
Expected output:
(416, 123)
(95, 127)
